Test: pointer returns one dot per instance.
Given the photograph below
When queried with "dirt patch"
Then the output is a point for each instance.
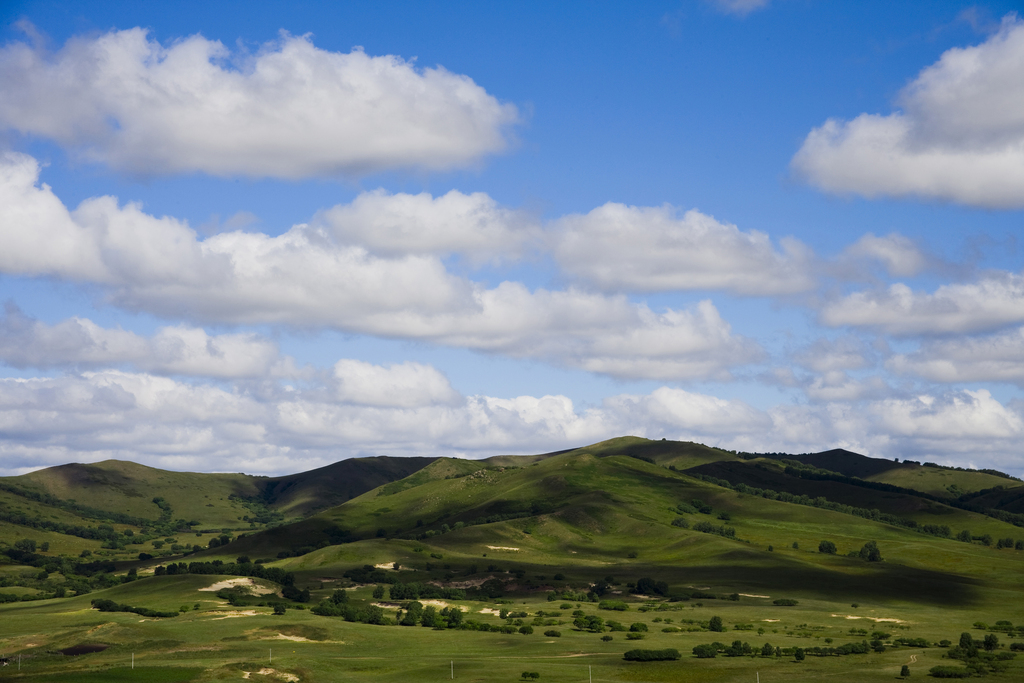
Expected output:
(246, 581)
(877, 620)
(503, 547)
(488, 610)
(83, 649)
(267, 671)
(391, 565)
(281, 636)
(235, 613)
(771, 621)
(750, 595)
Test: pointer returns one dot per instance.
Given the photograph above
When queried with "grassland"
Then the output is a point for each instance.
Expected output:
(535, 535)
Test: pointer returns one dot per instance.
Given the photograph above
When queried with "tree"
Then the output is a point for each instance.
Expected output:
(378, 592)
(279, 608)
(991, 642)
(964, 536)
(905, 671)
(767, 650)
(413, 614)
(827, 547)
(716, 624)
(799, 654)
(870, 552)
(706, 651)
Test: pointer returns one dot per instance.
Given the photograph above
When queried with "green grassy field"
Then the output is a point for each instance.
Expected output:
(515, 534)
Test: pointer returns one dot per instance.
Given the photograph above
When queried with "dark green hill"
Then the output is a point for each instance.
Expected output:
(298, 495)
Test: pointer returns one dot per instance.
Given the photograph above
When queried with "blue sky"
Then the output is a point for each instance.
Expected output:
(263, 236)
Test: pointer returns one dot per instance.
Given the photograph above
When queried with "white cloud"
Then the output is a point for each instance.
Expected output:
(393, 225)
(404, 385)
(995, 358)
(290, 110)
(827, 355)
(739, 7)
(992, 302)
(307, 278)
(959, 136)
(900, 256)
(617, 247)
(175, 350)
(168, 423)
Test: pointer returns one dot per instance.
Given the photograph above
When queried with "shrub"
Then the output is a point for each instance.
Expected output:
(633, 635)
(785, 602)
(530, 675)
(669, 654)
(526, 630)
(638, 626)
(614, 605)
(705, 651)
(606, 639)
(279, 608)
(827, 547)
(716, 624)
(681, 522)
(553, 634)
(949, 672)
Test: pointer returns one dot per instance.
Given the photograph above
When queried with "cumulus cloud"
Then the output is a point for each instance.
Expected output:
(403, 385)
(896, 253)
(828, 355)
(959, 135)
(174, 350)
(306, 277)
(290, 110)
(473, 225)
(738, 7)
(994, 358)
(617, 247)
(991, 302)
(169, 423)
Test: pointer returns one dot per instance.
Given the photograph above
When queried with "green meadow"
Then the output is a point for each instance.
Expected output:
(558, 564)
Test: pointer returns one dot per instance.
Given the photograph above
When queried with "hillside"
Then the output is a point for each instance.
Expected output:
(560, 536)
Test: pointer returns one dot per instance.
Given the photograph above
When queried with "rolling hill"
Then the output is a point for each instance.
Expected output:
(705, 531)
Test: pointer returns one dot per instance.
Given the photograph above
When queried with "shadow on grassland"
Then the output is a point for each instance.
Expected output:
(878, 583)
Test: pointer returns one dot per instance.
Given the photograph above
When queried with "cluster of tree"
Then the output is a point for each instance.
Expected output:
(416, 590)
(979, 656)
(709, 528)
(613, 605)
(669, 654)
(693, 507)
(648, 586)
(369, 574)
(259, 571)
(111, 606)
(418, 615)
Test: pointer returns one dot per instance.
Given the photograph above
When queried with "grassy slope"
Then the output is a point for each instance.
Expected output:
(937, 481)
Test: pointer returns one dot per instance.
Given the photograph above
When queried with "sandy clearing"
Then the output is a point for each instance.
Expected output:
(489, 610)
(231, 583)
(267, 671)
(877, 620)
(771, 621)
(436, 603)
(281, 636)
(751, 595)
(235, 613)
(502, 547)
(391, 566)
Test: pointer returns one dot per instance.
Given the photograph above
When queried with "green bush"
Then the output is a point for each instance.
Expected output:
(949, 672)
(651, 655)
(553, 634)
